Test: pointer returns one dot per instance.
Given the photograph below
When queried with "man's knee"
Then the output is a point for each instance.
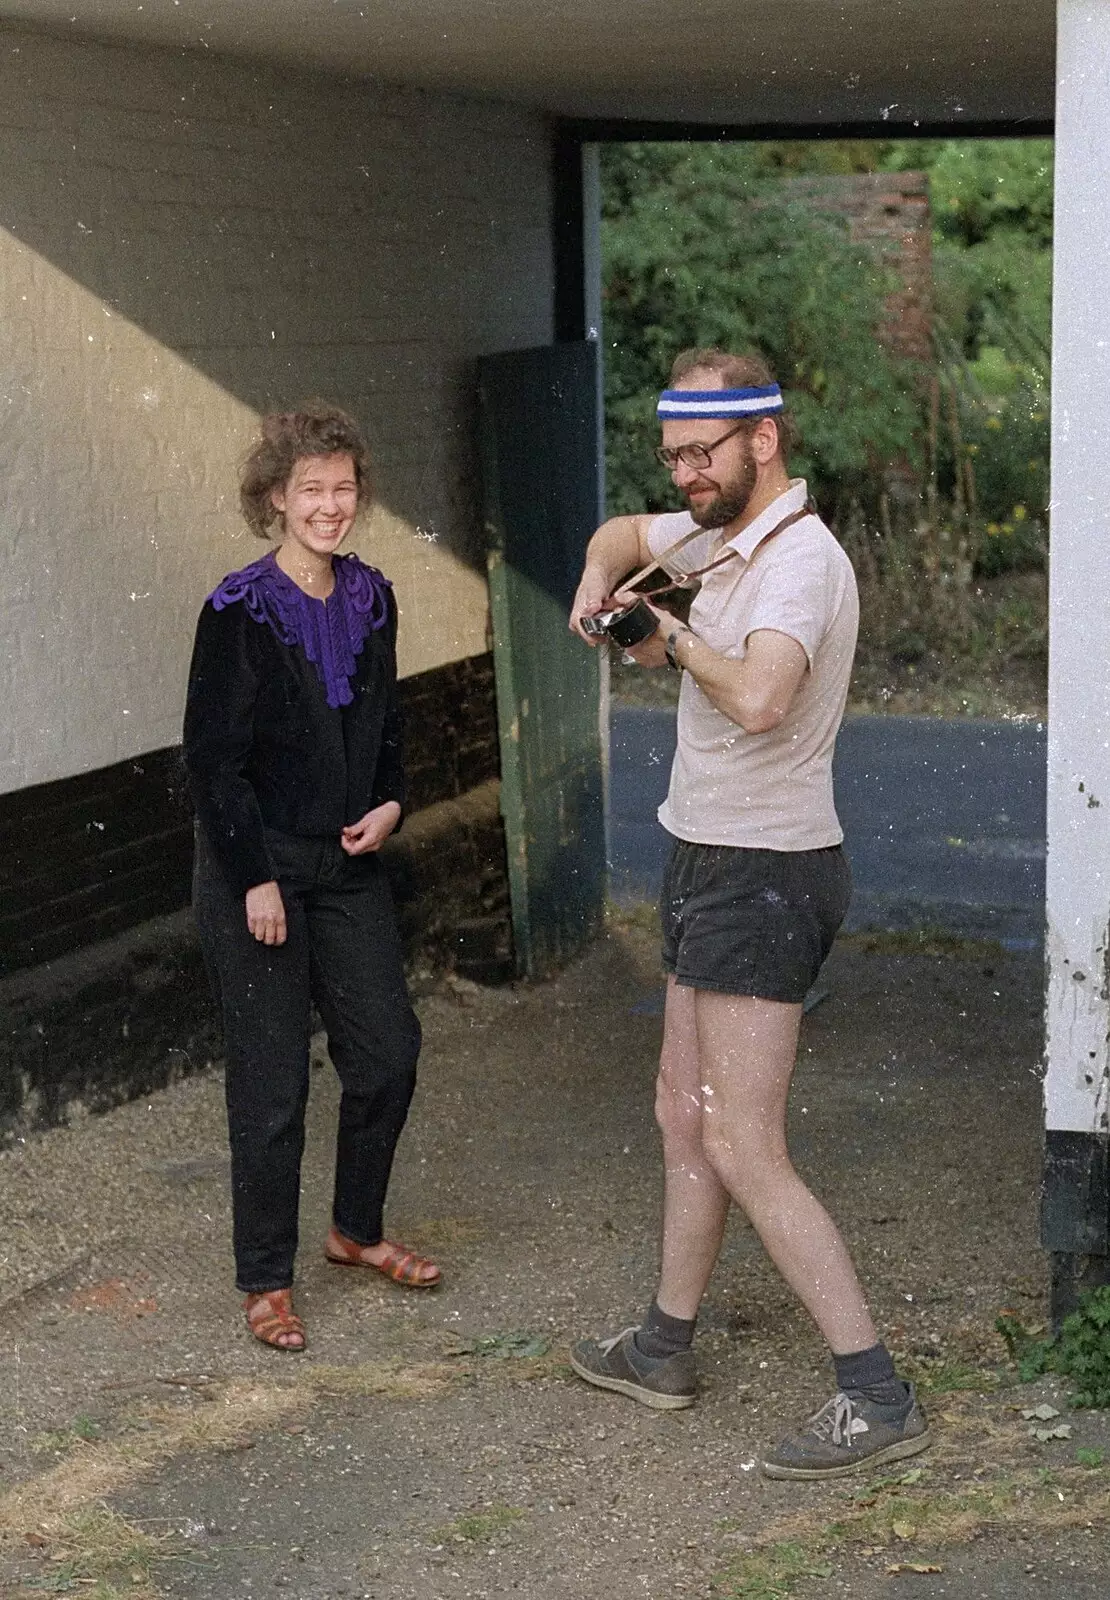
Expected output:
(677, 1107)
(746, 1163)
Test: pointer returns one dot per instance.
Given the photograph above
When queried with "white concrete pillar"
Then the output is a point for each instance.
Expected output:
(1077, 1085)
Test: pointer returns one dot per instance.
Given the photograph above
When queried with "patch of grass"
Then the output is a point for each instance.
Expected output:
(517, 1357)
(945, 1374)
(393, 1379)
(101, 1554)
(1090, 1457)
(503, 1346)
(479, 1527)
(924, 941)
(82, 1430)
(772, 1574)
(908, 1513)
(47, 1502)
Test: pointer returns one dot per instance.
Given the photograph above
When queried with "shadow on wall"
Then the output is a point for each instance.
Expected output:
(188, 242)
(287, 234)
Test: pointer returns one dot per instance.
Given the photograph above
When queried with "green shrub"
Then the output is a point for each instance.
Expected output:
(1080, 1352)
(701, 246)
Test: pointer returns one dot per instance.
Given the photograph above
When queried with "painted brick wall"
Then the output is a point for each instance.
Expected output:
(183, 243)
(888, 211)
(88, 857)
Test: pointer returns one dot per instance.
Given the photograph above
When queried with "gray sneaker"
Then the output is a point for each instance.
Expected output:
(847, 1434)
(666, 1382)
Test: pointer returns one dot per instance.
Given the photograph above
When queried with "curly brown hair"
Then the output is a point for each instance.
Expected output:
(737, 372)
(317, 430)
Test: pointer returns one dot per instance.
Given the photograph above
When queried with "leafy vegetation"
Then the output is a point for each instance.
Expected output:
(701, 246)
(520, 1345)
(479, 1527)
(934, 474)
(1080, 1352)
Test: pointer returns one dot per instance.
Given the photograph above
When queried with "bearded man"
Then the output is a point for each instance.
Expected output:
(755, 890)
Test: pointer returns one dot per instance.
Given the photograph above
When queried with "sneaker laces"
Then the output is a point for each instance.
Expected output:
(607, 1346)
(837, 1420)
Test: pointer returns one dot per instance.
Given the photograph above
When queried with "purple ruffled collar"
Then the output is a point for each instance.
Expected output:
(331, 632)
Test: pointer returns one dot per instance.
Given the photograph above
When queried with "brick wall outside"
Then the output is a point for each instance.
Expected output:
(103, 993)
(130, 1014)
(889, 212)
(451, 730)
(86, 858)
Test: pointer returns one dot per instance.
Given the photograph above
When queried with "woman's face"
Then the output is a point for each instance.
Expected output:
(318, 502)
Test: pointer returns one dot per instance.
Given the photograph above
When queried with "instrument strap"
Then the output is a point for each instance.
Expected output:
(688, 577)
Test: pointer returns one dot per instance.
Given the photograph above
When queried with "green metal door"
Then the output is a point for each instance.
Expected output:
(539, 426)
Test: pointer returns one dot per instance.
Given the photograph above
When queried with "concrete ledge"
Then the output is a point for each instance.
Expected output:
(450, 883)
(120, 1018)
(130, 1014)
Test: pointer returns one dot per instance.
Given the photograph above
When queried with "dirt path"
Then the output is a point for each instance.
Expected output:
(436, 1445)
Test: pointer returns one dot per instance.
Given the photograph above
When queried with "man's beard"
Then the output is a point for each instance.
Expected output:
(732, 500)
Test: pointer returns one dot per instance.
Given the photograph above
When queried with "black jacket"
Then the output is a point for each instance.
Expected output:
(263, 749)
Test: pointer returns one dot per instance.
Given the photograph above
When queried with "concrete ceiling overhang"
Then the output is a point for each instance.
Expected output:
(793, 63)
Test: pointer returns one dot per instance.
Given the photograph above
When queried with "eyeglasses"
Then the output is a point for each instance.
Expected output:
(695, 456)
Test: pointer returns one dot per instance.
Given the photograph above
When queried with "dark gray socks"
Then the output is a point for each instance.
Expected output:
(870, 1375)
(664, 1335)
(864, 1374)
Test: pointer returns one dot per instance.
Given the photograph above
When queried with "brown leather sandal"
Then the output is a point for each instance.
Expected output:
(272, 1320)
(399, 1265)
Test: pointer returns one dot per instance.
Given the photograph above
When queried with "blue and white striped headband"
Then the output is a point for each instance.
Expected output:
(720, 402)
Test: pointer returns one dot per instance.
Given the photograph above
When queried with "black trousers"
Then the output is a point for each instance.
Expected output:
(342, 952)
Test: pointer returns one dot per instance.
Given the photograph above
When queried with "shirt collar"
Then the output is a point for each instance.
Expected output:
(789, 501)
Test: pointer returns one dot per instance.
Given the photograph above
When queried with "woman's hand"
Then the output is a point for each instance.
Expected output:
(372, 830)
(266, 913)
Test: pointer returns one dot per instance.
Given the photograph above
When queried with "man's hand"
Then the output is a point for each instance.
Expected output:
(372, 830)
(266, 913)
(591, 597)
(618, 547)
(651, 652)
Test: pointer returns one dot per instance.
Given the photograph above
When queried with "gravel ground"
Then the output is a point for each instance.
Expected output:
(436, 1444)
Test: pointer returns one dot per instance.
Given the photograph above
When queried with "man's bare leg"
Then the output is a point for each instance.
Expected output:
(724, 1079)
(695, 1201)
(655, 1363)
(746, 1053)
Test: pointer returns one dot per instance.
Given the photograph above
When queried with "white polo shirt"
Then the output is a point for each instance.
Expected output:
(763, 791)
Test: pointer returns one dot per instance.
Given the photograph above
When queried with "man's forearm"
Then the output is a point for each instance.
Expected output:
(754, 692)
(720, 680)
(614, 551)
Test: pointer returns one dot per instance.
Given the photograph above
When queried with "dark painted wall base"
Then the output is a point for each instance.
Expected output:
(130, 1014)
(88, 857)
(1075, 1196)
(451, 887)
(1071, 1277)
(108, 1023)
(1075, 1215)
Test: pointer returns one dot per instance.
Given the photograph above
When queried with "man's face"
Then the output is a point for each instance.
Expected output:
(718, 493)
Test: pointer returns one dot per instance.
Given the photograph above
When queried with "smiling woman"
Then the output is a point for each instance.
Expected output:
(292, 743)
(289, 440)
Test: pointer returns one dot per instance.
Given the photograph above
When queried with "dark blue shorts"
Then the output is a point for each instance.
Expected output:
(752, 922)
